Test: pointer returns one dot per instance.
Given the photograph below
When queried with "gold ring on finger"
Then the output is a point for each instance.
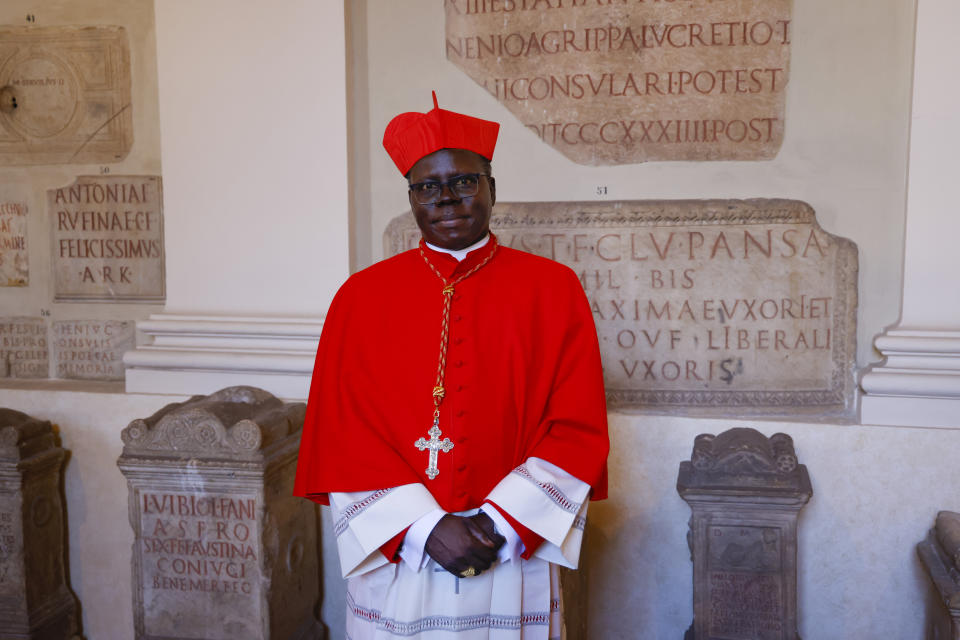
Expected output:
(469, 572)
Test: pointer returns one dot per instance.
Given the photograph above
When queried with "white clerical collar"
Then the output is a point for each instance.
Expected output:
(460, 254)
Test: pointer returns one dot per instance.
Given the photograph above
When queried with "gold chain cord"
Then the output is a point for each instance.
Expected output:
(447, 291)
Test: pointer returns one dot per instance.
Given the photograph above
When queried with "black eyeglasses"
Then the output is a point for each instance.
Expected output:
(463, 186)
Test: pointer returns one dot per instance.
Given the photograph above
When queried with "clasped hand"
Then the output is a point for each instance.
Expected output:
(459, 543)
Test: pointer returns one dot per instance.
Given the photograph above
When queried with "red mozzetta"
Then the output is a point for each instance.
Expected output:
(523, 378)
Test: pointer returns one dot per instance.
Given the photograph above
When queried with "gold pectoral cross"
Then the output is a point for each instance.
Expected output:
(434, 444)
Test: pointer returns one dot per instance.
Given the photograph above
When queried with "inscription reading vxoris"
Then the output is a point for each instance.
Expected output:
(744, 304)
(611, 82)
(199, 543)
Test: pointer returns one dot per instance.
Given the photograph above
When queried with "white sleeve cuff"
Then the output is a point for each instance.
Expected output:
(364, 520)
(412, 551)
(513, 547)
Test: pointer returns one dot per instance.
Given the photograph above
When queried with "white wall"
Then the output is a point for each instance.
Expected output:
(253, 114)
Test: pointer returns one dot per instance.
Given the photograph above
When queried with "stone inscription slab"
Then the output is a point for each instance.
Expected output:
(11, 569)
(107, 235)
(14, 262)
(90, 349)
(745, 583)
(24, 351)
(64, 95)
(625, 81)
(198, 553)
(723, 307)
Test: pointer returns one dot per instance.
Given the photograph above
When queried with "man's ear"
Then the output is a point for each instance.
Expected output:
(410, 198)
(493, 191)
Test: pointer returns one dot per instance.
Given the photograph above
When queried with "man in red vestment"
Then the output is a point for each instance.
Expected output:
(456, 422)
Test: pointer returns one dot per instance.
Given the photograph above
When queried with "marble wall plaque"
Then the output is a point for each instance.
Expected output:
(746, 492)
(64, 95)
(107, 239)
(24, 350)
(14, 260)
(90, 349)
(222, 549)
(720, 307)
(624, 81)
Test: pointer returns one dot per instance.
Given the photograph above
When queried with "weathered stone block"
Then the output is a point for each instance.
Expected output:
(614, 83)
(222, 549)
(107, 239)
(940, 556)
(746, 492)
(64, 95)
(703, 307)
(36, 602)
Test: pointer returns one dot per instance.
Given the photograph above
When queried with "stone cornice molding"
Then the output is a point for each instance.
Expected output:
(918, 384)
(188, 354)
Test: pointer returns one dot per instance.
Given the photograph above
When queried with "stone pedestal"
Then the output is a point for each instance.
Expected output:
(36, 602)
(222, 549)
(746, 492)
(940, 556)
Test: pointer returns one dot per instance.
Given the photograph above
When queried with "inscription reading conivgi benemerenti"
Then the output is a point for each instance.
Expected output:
(64, 95)
(622, 81)
(108, 239)
(723, 306)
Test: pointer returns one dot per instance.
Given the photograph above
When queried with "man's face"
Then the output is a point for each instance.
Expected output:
(452, 222)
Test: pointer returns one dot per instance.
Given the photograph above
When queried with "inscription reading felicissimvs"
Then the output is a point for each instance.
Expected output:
(620, 81)
(747, 305)
(108, 239)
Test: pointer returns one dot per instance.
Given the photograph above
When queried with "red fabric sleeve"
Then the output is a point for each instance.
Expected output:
(391, 548)
(575, 416)
(531, 541)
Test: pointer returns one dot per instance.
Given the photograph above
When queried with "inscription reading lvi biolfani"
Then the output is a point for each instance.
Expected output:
(729, 306)
(202, 544)
(621, 81)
